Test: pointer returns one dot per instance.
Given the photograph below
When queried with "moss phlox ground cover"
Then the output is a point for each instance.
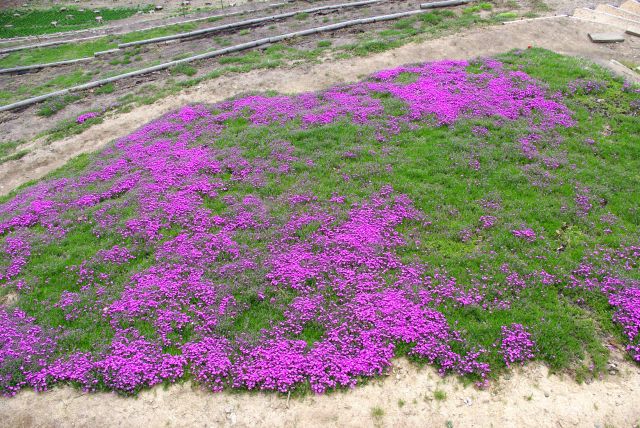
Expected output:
(235, 289)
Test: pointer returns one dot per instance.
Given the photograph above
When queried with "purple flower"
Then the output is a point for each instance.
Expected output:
(525, 234)
(517, 345)
(86, 116)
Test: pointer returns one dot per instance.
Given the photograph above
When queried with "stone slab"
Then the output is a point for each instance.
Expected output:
(606, 37)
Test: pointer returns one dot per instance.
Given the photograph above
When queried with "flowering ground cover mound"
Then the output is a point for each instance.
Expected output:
(470, 215)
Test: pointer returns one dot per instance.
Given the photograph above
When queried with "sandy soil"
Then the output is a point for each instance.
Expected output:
(528, 397)
(563, 35)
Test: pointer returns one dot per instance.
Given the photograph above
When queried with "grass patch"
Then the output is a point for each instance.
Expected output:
(439, 395)
(506, 16)
(105, 89)
(54, 105)
(31, 22)
(7, 147)
(14, 156)
(184, 69)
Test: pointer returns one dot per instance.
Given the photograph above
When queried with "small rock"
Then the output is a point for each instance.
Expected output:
(467, 401)
(9, 299)
(159, 7)
(546, 394)
(231, 415)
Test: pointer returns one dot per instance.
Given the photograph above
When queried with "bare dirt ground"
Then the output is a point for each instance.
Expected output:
(563, 35)
(529, 397)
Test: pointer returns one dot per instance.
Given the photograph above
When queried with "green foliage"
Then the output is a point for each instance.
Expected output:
(54, 105)
(185, 69)
(506, 16)
(55, 53)
(156, 32)
(68, 127)
(477, 8)
(7, 147)
(439, 395)
(377, 412)
(87, 49)
(14, 156)
(28, 22)
(105, 89)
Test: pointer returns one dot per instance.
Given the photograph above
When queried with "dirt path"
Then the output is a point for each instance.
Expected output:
(528, 398)
(563, 35)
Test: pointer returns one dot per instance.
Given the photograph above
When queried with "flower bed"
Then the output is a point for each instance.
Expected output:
(197, 246)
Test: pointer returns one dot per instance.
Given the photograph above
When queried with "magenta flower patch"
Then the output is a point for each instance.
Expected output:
(203, 267)
(517, 345)
(86, 116)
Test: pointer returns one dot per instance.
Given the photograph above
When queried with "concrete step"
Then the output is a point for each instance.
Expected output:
(612, 10)
(631, 6)
(607, 19)
(606, 37)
